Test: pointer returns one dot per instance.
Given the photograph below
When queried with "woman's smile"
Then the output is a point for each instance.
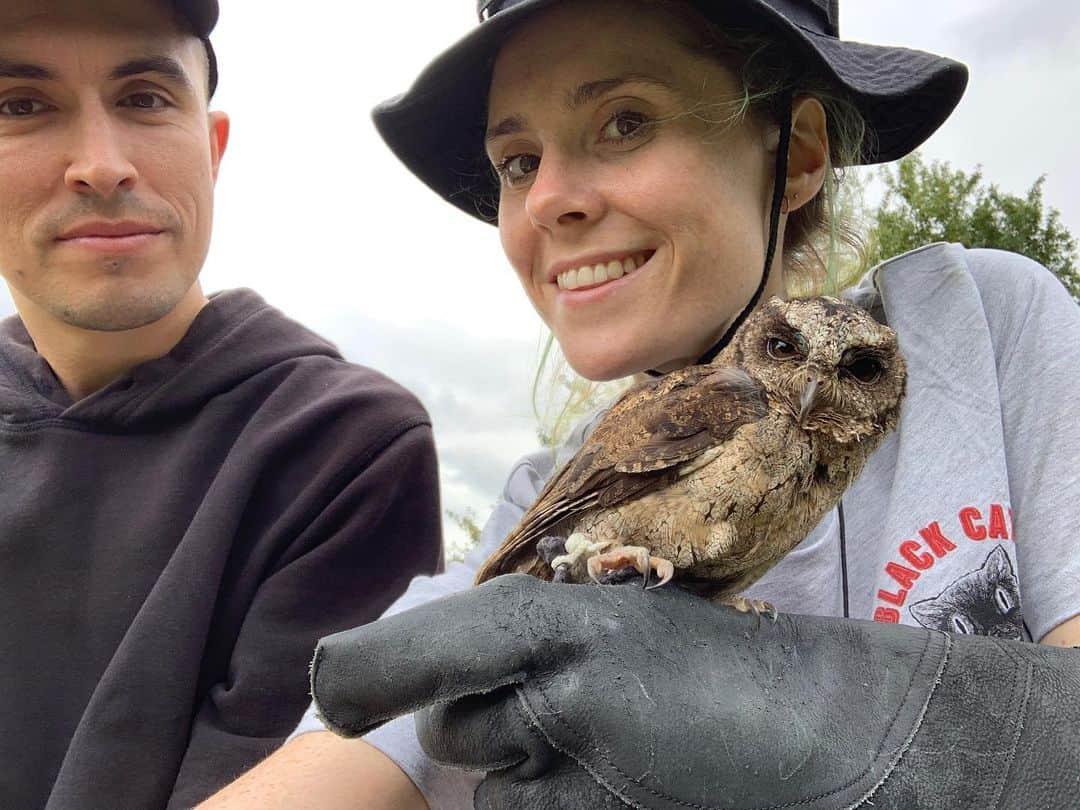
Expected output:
(586, 275)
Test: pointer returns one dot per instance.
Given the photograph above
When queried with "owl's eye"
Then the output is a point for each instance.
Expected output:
(864, 368)
(780, 349)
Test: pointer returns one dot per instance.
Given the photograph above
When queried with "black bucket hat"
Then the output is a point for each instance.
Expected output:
(437, 127)
(202, 16)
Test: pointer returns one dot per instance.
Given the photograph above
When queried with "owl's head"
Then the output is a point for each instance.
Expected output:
(836, 368)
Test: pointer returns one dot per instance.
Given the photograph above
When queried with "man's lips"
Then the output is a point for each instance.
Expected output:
(108, 230)
(110, 237)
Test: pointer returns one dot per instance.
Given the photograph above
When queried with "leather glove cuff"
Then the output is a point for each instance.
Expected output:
(1001, 729)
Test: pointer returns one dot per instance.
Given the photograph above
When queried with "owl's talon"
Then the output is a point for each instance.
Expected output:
(636, 557)
(643, 566)
(756, 606)
(594, 571)
(664, 569)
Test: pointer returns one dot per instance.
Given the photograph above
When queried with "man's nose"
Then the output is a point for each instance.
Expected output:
(561, 195)
(99, 163)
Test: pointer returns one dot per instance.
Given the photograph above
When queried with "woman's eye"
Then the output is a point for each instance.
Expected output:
(22, 107)
(780, 349)
(144, 101)
(624, 124)
(517, 168)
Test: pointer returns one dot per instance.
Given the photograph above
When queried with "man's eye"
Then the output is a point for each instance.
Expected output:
(22, 107)
(624, 124)
(144, 101)
(517, 168)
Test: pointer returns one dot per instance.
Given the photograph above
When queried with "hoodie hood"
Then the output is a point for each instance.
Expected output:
(234, 338)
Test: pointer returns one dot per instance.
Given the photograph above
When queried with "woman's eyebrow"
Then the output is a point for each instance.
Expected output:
(590, 91)
(578, 97)
(508, 126)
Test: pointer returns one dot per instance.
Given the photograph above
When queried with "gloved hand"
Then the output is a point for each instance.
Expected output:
(583, 696)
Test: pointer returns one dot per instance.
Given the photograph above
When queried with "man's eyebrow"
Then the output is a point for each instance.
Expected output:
(580, 96)
(163, 65)
(10, 69)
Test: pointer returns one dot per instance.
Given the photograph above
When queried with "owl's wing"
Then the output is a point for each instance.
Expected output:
(640, 446)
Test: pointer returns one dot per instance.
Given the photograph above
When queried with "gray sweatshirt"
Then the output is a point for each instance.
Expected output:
(968, 508)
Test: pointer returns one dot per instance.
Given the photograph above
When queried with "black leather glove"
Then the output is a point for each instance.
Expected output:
(583, 696)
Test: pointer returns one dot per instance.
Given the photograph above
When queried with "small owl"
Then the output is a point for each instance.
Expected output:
(712, 473)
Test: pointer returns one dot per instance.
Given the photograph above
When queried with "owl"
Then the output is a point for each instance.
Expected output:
(709, 475)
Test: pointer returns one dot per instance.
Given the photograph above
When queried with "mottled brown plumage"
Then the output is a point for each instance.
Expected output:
(722, 469)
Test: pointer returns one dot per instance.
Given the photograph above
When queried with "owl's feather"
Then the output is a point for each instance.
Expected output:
(653, 429)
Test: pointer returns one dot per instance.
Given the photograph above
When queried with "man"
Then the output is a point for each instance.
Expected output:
(192, 490)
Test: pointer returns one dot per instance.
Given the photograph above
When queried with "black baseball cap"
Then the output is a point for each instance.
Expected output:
(202, 16)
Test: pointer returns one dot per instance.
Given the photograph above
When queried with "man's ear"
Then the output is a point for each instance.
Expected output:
(809, 151)
(219, 139)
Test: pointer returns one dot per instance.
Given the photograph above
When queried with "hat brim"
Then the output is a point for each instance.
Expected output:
(437, 127)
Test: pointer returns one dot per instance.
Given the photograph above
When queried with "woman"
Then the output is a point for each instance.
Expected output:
(656, 170)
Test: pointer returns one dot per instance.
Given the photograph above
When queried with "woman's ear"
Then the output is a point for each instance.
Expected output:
(808, 155)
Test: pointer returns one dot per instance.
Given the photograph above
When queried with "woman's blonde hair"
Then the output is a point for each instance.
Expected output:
(823, 252)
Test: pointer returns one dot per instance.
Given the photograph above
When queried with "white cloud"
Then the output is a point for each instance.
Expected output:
(1007, 31)
(1018, 117)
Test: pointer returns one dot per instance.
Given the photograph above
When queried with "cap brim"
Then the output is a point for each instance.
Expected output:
(437, 127)
(202, 16)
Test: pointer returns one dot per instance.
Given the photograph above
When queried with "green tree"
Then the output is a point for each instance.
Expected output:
(455, 547)
(933, 202)
(466, 521)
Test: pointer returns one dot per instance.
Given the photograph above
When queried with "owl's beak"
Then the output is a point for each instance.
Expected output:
(809, 395)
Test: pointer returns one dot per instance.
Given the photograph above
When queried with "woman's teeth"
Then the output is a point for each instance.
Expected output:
(593, 274)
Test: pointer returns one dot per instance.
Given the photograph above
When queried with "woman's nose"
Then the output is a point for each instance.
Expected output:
(563, 194)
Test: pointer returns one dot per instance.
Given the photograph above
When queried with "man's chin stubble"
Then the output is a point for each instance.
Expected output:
(113, 315)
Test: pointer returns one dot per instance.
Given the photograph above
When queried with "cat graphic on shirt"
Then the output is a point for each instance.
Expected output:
(984, 602)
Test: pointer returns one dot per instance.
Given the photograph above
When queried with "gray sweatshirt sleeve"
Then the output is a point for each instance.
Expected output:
(1035, 328)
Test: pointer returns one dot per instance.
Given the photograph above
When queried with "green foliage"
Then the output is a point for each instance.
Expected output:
(466, 521)
(933, 202)
(561, 398)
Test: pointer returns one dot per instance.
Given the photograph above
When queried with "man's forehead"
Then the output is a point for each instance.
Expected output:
(127, 32)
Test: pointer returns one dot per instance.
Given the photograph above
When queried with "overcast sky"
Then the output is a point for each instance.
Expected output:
(315, 214)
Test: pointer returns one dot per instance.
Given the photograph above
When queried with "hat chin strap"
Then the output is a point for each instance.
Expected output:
(779, 189)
